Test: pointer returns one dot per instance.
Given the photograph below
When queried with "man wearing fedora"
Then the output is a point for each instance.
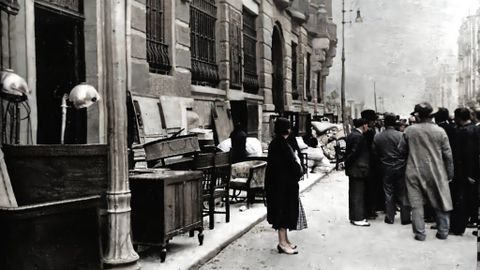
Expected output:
(428, 172)
(357, 167)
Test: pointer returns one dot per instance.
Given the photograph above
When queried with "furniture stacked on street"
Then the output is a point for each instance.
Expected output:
(165, 203)
(173, 176)
(248, 176)
(52, 221)
(216, 169)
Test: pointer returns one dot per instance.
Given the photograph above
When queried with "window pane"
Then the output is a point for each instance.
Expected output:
(157, 49)
(250, 82)
(202, 37)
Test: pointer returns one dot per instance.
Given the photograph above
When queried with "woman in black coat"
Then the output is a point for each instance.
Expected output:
(281, 186)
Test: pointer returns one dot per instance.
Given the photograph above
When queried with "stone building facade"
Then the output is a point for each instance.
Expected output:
(273, 54)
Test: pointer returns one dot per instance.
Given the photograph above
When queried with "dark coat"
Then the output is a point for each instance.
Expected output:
(450, 130)
(357, 155)
(465, 149)
(389, 146)
(239, 149)
(281, 185)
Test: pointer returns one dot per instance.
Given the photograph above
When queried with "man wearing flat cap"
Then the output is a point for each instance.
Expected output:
(428, 172)
(375, 197)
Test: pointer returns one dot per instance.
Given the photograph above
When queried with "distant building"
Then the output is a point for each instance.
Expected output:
(468, 60)
(441, 88)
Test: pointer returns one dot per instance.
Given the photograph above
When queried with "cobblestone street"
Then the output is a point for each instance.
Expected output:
(331, 242)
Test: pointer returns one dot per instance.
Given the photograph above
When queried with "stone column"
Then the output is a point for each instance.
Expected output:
(264, 64)
(264, 52)
(223, 41)
(119, 252)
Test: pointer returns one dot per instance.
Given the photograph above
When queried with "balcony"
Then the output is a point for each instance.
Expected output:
(317, 25)
(332, 31)
(283, 4)
(299, 11)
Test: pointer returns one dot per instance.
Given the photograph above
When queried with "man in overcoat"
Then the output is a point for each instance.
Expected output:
(357, 164)
(374, 192)
(428, 172)
(390, 148)
(466, 148)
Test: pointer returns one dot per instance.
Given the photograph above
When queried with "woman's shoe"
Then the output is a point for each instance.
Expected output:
(293, 246)
(288, 252)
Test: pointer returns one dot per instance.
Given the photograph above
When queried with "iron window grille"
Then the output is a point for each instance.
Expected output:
(308, 78)
(202, 39)
(250, 81)
(294, 71)
(157, 49)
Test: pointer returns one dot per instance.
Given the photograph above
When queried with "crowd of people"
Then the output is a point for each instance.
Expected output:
(428, 168)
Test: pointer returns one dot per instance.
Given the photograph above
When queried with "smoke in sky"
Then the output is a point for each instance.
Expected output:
(398, 45)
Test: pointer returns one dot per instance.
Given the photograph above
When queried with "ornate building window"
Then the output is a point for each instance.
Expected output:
(308, 91)
(157, 49)
(294, 71)
(235, 35)
(250, 82)
(202, 39)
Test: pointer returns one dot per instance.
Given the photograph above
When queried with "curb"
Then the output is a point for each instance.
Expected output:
(200, 262)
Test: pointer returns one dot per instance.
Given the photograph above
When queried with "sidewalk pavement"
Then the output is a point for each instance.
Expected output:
(184, 252)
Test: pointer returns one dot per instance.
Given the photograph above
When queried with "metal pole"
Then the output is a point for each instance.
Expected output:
(345, 122)
(375, 96)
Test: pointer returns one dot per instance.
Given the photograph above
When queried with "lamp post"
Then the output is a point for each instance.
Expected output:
(358, 19)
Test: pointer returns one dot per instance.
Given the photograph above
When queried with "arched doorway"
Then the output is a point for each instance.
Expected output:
(277, 65)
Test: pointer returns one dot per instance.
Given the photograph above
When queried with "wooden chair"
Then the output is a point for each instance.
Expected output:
(216, 168)
(248, 176)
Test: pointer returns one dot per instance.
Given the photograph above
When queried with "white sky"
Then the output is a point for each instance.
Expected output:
(397, 46)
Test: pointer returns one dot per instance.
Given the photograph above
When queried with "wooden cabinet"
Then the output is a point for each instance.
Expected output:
(165, 203)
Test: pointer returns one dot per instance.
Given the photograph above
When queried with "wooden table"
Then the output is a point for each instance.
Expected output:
(165, 203)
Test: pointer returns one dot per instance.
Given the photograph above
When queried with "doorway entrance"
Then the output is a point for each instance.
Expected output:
(277, 65)
(60, 64)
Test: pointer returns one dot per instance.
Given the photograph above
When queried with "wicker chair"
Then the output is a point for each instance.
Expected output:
(216, 169)
(248, 176)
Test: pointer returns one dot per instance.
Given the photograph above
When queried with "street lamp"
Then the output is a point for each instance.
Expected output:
(358, 19)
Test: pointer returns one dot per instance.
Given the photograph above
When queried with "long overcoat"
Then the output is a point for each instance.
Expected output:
(281, 185)
(429, 166)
